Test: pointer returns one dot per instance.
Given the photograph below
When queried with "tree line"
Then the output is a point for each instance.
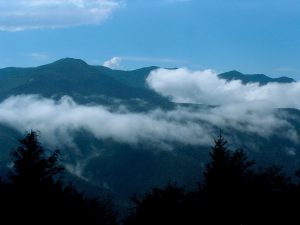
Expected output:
(35, 194)
(233, 191)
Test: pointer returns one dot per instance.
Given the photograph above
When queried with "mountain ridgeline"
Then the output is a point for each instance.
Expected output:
(261, 79)
(86, 83)
(83, 82)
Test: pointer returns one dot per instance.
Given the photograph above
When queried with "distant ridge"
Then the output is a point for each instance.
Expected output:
(84, 82)
(253, 78)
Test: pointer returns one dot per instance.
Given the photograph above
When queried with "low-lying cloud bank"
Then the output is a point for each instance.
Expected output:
(60, 120)
(204, 87)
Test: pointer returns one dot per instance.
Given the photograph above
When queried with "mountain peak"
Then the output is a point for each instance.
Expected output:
(70, 61)
(235, 72)
(261, 79)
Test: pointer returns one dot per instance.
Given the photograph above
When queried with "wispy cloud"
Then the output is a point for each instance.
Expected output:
(37, 56)
(285, 69)
(21, 15)
(61, 121)
(162, 129)
(153, 59)
(68, 117)
(113, 63)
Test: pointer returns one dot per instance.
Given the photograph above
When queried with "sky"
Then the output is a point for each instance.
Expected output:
(252, 36)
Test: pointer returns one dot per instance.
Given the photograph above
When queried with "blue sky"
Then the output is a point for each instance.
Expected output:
(252, 36)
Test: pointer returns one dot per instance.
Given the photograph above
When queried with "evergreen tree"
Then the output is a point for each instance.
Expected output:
(225, 184)
(160, 206)
(37, 196)
(31, 168)
(228, 170)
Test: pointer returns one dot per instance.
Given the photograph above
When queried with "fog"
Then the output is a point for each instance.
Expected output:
(58, 121)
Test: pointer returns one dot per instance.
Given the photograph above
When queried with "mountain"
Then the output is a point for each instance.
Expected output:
(253, 78)
(133, 78)
(124, 169)
(86, 83)
(75, 78)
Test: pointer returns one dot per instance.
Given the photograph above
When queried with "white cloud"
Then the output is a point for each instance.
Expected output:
(60, 120)
(20, 15)
(153, 59)
(113, 63)
(183, 85)
(246, 108)
(37, 56)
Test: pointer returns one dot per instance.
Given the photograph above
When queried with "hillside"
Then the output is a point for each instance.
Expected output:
(77, 79)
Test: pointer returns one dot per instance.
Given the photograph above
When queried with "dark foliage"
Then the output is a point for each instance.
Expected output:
(31, 169)
(160, 206)
(36, 195)
(228, 170)
(233, 192)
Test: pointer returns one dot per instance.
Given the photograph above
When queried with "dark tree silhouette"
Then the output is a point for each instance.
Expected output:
(240, 194)
(271, 197)
(225, 184)
(233, 192)
(36, 195)
(228, 169)
(160, 206)
(31, 167)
